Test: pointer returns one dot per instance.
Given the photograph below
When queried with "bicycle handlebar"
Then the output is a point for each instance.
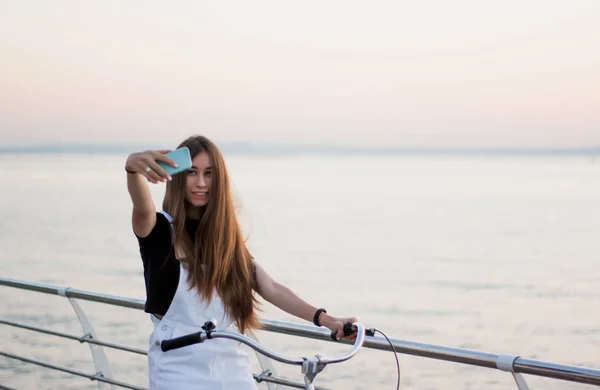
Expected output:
(208, 333)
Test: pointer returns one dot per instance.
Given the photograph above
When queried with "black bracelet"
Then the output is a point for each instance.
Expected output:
(128, 171)
(316, 317)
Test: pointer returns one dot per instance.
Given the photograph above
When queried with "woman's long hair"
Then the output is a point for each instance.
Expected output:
(218, 259)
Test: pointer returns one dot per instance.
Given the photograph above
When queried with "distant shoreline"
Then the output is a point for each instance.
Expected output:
(275, 149)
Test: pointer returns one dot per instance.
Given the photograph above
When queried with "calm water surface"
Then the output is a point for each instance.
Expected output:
(499, 254)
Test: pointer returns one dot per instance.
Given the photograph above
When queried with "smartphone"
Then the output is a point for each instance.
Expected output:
(181, 157)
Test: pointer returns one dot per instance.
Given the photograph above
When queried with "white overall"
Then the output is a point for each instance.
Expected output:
(216, 364)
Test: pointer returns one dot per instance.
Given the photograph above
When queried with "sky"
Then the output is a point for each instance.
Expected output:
(442, 74)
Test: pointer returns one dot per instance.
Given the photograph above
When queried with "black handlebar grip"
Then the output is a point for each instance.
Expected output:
(180, 342)
(348, 330)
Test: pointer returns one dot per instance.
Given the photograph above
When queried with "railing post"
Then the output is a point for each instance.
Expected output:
(506, 363)
(98, 355)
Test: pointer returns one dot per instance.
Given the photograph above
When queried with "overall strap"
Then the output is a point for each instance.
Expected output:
(168, 216)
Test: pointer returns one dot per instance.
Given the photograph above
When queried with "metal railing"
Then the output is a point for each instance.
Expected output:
(513, 364)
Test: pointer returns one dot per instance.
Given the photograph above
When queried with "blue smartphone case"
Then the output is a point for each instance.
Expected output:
(181, 157)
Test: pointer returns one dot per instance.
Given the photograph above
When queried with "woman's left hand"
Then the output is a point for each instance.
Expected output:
(337, 325)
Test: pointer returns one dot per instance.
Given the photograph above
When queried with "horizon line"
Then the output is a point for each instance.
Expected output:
(242, 147)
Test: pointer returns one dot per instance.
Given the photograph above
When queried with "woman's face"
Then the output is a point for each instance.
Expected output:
(199, 180)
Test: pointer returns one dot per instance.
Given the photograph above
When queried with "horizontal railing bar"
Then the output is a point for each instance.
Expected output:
(83, 339)
(86, 339)
(100, 378)
(73, 293)
(93, 377)
(284, 382)
(271, 379)
(457, 355)
(585, 375)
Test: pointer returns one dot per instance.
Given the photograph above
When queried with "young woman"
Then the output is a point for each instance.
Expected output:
(197, 267)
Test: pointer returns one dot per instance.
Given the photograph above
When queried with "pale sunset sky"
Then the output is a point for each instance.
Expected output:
(445, 73)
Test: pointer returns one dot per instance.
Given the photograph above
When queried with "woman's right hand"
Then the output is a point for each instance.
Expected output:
(145, 164)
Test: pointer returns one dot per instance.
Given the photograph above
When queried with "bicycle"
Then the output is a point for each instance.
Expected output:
(310, 366)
